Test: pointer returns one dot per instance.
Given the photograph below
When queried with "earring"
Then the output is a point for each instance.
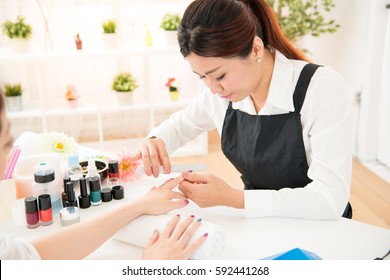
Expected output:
(258, 60)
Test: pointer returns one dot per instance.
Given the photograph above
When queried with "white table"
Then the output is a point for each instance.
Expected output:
(246, 238)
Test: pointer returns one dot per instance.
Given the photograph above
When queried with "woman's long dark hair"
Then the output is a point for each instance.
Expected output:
(226, 28)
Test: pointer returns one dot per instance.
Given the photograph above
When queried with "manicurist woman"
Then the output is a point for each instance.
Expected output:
(284, 123)
(172, 243)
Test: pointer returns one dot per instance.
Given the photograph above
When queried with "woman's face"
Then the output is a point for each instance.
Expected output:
(233, 78)
(5, 141)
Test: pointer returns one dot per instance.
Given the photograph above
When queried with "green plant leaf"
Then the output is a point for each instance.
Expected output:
(18, 29)
(170, 21)
(13, 89)
(300, 17)
(124, 82)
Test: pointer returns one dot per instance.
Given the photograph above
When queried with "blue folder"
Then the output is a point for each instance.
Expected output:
(294, 254)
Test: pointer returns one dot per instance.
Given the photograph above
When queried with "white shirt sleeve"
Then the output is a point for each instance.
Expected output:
(327, 135)
(16, 248)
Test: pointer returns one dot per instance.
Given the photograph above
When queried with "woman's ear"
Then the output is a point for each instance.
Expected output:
(257, 48)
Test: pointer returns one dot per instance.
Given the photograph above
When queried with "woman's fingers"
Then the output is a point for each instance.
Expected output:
(154, 155)
(164, 157)
(170, 184)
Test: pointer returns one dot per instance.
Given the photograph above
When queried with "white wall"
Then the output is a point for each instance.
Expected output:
(356, 52)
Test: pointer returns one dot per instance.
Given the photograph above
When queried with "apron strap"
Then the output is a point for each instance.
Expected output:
(302, 85)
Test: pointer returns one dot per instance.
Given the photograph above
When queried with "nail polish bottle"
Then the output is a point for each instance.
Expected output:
(95, 194)
(45, 182)
(45, 210)
(113, 169)
(63, 194)
(71, 198)
(84, 200)
(32, 216)
(69, 215)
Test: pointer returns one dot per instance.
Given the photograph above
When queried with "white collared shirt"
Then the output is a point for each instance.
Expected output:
(327, 135)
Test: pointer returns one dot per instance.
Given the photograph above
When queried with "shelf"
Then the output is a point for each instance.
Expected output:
(39, 56)
(25, 113)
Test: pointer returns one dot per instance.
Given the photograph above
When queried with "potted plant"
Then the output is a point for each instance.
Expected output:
(13, 94)
(301, 17)
(109, 34)
(71, 95)
(173, 89)
(124, 84)
(19, 32)
(170, 23)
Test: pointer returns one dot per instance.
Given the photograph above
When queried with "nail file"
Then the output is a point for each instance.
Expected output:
(176, 168)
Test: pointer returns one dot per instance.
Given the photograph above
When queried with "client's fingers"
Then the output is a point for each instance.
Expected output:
(170, 226)
(196, 244)
(153, 239)
(181, 228)
(171, 184)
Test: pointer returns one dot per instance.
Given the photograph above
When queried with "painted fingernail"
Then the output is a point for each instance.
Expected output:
(205, 234)
(189, 171)
(186, 201)
(192, 216)
(177, 215)
(199, 220)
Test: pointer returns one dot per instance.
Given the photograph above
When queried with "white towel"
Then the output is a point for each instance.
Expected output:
(139, 231)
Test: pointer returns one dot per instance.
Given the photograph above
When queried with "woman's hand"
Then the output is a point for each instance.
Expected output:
(172, 243)
(163, 199)
(208, 190)
(154, 154)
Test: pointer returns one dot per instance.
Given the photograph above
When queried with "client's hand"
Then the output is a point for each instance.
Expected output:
(162, 199)
(172, 243)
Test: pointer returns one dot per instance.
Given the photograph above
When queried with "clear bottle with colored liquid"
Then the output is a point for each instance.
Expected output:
(45, 182)
(94, 181)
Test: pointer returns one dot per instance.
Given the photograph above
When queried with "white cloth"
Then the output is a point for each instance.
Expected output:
(327, 135)
(16, 248)
(139, 231)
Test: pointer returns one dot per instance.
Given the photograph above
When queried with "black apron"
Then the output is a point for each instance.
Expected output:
(268, 151)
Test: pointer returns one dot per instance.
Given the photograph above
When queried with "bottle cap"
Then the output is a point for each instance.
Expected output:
(44, 173)
(106, 194)
(66, 180)
(44, 201)
(113, 166)
(94, 184)
(69, 191)
(83, 187)
(31, 204)
(84, 201)
(118, 192)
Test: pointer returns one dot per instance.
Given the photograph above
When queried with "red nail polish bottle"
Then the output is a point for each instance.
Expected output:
(32, 217)
(45, 210)
(113, 169)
